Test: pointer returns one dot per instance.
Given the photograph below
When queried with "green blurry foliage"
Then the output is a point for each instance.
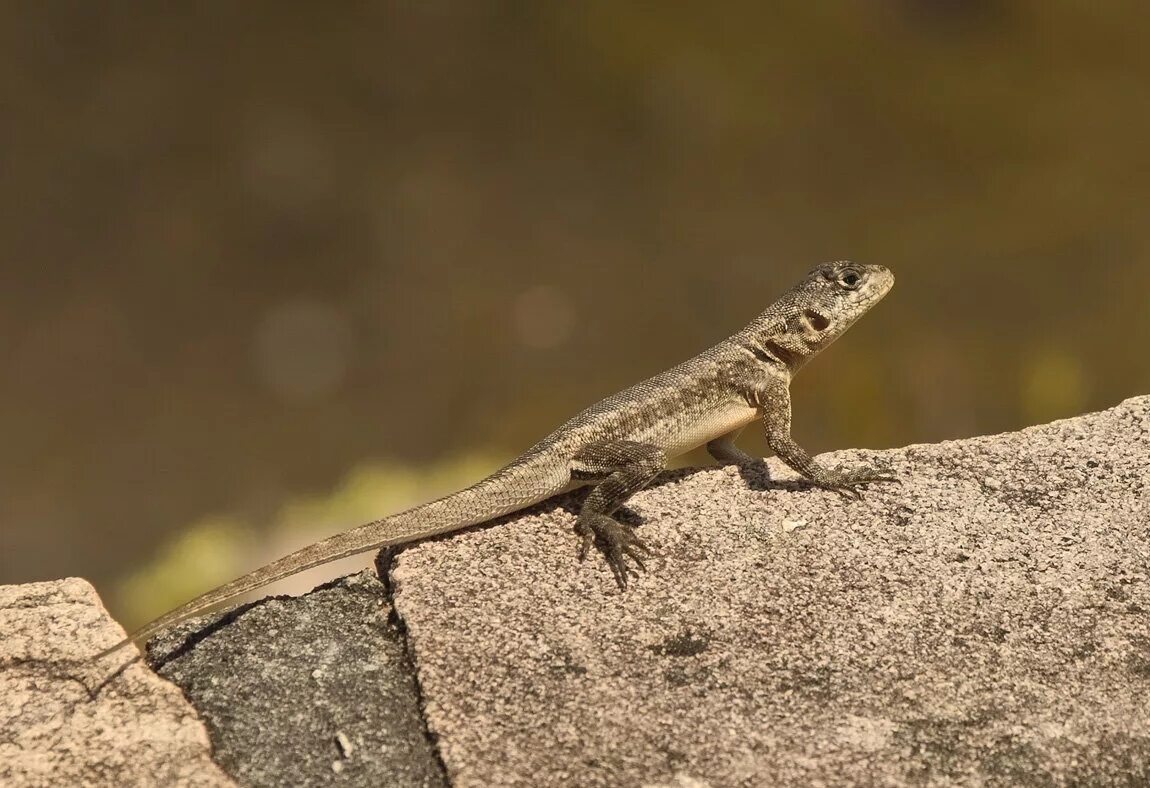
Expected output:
(1054, 384)
(217, 549)
(206, 554)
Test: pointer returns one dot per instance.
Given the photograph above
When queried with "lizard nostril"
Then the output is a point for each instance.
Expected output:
(815, 320)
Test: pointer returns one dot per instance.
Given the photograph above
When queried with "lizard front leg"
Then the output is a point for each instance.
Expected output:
(775, 403)
(725, 452)
(621, 469)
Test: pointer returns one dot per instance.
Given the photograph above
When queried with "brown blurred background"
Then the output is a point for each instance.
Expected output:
(253, 249)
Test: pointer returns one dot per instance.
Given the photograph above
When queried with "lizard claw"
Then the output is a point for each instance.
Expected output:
(849, 492)
(585, 543)
(847, 483)
(623, 550)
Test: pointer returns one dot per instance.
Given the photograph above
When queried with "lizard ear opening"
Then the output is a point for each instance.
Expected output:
(814, 321)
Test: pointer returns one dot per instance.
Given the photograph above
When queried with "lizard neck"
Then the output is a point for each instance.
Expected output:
(801, 323)
(785, 337)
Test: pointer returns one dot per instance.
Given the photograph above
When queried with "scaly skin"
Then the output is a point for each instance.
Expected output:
(620, 444)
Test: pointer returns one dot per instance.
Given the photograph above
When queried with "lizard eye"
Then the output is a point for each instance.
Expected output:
(850, 278)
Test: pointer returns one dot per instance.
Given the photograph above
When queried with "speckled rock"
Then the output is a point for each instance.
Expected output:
(986, 622)
(55, 729)
(315, 690)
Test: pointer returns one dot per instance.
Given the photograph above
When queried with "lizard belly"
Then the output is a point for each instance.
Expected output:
(706, 427)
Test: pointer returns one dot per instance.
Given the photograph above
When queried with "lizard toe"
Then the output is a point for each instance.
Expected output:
(585, 545)
(621, 548)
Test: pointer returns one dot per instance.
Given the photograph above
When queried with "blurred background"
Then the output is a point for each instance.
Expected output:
(273, 269)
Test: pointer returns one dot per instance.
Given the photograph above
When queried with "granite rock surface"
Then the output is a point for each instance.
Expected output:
(61, 723)
(985, 622)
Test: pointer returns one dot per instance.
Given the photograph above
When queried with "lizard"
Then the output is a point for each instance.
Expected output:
(620, 444)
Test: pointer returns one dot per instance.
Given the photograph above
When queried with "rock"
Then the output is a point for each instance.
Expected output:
(315, 690)
(940, 631)
(790, 526)
(54, 730)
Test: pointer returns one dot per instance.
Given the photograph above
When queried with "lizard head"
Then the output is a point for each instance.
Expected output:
(833, 296)
(816, 311)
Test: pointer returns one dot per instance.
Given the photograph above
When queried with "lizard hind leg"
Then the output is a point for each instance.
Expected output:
(618, 469)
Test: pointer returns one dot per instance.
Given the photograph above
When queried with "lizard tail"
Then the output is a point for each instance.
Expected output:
(510, 489)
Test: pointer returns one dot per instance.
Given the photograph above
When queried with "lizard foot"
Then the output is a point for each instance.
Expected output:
(847, 482)
(616, 541)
